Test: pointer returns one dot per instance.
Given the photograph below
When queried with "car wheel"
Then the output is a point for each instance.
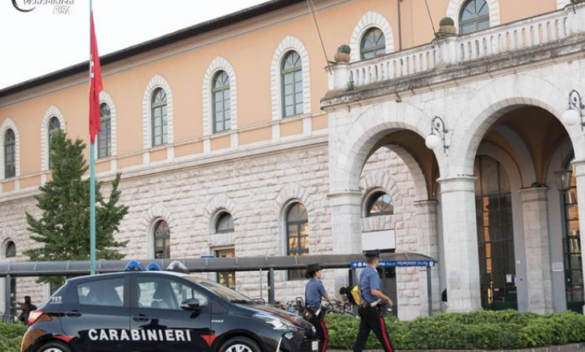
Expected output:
(239, 344)
(54, 346)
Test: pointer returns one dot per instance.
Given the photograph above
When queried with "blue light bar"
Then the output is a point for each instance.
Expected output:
(133, 265)
(153, 267)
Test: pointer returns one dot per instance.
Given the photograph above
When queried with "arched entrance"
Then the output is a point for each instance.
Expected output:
(382, 164)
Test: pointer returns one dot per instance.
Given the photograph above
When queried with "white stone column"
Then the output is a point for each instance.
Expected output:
(460, 241)
(346, 227)
(534, 209)
(426, 226)
(346, 223)
(579, 169)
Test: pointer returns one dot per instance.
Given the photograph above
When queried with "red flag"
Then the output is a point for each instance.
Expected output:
(95, 87)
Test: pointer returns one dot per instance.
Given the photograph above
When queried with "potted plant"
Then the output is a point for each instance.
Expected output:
(342, 54)
(447, 27)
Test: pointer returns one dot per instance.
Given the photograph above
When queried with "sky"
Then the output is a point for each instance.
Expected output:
(38, 42)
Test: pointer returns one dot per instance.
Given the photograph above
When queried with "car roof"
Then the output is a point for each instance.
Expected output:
(123, 274)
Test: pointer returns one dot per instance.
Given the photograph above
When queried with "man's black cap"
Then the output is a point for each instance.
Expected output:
(372, 253)
(312, 268)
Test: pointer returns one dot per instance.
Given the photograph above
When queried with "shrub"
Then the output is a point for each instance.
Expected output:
(487, 330)
(10, 336)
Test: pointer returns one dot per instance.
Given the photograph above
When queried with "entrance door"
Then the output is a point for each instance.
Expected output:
(572, 251)
(388, 278)
(495, 235)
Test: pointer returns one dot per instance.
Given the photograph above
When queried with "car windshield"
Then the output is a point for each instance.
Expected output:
(220, 290)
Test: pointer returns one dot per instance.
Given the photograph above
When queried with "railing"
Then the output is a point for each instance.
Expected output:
(514, 36)
(396, 65)
(500, 40)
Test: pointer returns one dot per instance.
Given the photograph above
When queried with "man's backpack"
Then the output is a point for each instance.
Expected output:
(353, 295)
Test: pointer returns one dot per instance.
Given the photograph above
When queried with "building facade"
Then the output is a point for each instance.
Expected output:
(238, 137)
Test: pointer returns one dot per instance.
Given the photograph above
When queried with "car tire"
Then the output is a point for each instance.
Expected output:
(239, 344)
(54, 346)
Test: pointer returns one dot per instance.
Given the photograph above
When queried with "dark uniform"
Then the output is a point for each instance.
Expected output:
(371, 317)
(314, 291)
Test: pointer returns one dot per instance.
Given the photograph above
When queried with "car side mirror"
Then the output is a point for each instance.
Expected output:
(191, 304)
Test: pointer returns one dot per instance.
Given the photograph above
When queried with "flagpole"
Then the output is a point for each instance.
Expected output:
(91, 170)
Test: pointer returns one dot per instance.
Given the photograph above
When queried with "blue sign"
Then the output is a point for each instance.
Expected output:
(207, 257)
(394, 263)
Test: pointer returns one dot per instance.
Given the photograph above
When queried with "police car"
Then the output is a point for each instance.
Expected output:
(160, 311)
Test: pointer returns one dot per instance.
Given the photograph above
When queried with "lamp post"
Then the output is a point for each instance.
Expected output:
(574, 113)
(438, 133)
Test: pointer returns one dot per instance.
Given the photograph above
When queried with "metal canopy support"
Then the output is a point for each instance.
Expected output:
(429, 291)
(8, 299)
(271, 287)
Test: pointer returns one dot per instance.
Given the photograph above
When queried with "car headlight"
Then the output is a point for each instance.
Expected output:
(276, 323)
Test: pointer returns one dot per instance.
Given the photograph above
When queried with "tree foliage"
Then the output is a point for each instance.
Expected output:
(64, 228)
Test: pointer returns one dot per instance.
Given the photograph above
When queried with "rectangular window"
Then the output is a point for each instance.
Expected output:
(226, 278)
(162, 293)
(109, 293)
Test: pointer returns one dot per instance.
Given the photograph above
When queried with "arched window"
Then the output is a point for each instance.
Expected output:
(495, 235)
(54, 125)
(572, 249)
(10, 250)
(291, 73)
(105, 135)
(225, 223)
(373, 44)
(162, 240)
(159, 117)
(378, 204)
(297, 235)
(222, 114)
(474, 16)
(9, 154)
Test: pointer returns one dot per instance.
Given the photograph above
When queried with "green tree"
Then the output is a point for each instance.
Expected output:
(63, 229)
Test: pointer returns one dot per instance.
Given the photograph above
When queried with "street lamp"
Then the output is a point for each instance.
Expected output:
(574, 113)
(564, 180)
(438, 133)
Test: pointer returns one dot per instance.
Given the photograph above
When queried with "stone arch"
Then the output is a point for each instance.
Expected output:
(4, 241)
(289, 44)
(155, 213)
(218, 64)
(524, 159)
(106, 98)
(218, 204)
(6, 125)
(370, 20)
(454, 9)
(494, 100)
(366, 131)
(380, 180)
(51, 111)
(157, 81)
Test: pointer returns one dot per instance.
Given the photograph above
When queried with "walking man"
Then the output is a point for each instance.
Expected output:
(314, 292)
(369, 311)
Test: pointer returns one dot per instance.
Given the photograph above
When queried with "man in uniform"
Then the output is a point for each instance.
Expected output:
(314, 292)
(369, 311)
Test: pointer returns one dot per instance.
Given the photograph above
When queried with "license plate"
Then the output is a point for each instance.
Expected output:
(315, 346)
